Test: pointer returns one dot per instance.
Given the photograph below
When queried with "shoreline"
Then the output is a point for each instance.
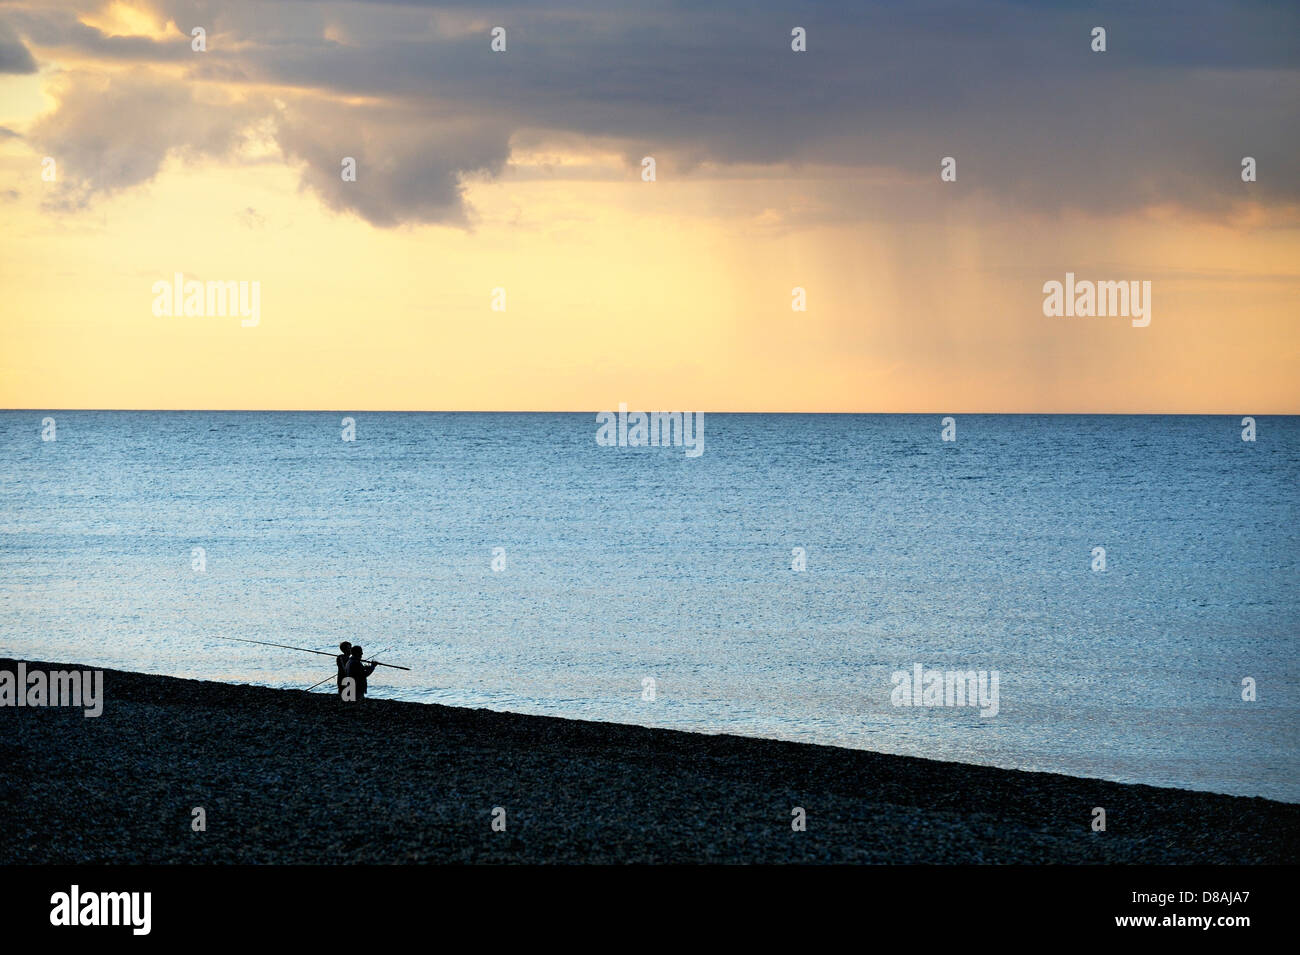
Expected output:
(288, 777)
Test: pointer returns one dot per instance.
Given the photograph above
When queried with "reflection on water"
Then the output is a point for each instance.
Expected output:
(626, 563)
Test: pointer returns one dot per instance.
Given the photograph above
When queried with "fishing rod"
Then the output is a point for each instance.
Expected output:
(328, 678)
(322, 653)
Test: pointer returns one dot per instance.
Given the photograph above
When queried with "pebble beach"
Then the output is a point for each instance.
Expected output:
(290, 777)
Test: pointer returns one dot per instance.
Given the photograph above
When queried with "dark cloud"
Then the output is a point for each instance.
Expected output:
(110, 134)
(1035, 119)
(408, 163)
(14, 56)
(59, 29)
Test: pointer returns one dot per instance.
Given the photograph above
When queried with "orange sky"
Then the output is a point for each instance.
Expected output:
(670, 294)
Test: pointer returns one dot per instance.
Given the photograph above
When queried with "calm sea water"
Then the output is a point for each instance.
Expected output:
(628, 563)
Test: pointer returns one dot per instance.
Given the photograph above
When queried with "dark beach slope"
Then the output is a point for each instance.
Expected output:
(289, 777)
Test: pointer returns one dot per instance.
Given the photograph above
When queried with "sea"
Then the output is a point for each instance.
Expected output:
(1130, 579)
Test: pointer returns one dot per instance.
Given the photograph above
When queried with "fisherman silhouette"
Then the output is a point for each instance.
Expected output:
(342, 661)
(355, 674)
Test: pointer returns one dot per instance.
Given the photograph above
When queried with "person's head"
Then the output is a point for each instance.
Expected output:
(345, 648)
(356, 652)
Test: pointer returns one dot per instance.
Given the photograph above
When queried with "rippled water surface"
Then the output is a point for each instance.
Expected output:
(628, 563)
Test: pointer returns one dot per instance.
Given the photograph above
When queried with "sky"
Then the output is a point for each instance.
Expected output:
(502, 248)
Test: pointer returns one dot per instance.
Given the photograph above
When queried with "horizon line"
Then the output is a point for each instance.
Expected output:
(346, 411)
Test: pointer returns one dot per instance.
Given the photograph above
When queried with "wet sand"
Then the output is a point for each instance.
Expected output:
(286, 776)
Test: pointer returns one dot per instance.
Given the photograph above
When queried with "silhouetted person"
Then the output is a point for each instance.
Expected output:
(342, 661)
(357, 672)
